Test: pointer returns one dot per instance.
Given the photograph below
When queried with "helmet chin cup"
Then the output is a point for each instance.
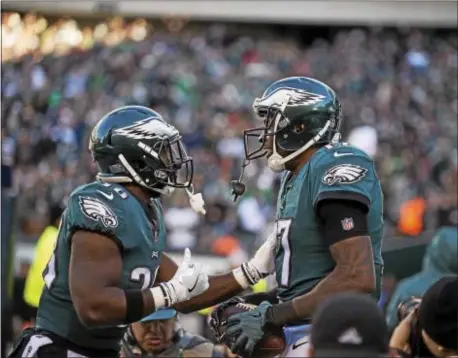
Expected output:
(275, 163)
(167, 190)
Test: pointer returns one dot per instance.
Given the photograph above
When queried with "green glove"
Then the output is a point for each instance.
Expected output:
(246, 329)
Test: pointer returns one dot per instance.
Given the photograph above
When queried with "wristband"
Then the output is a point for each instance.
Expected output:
(134, 305)
(240, 277)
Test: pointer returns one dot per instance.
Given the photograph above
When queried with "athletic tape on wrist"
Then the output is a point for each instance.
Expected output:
(167, 287)
(251, 273)
(245, 276)
(160, 300)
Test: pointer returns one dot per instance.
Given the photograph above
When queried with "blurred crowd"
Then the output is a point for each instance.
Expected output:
(60, 76)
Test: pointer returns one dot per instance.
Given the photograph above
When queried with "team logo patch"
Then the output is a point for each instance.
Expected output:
(98, 211)
(351, 336)
(347, 224)
(344, 174)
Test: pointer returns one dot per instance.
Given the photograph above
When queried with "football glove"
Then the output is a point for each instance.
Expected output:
(260, 266)
(189, 281)
(245, 330)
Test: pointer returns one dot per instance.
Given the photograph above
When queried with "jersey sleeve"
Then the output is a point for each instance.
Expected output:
(88, 210)
(345, 177)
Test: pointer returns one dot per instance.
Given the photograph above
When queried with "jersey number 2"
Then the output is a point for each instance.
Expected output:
(143, 276)
(283, 229)
(50, 272)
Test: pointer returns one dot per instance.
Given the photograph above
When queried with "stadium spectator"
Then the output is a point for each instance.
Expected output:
(23, 313)
(349, 325)
(430, 330)
(441, 259)
(8, 153)
(444, 202)
(182, 222)
(43, 251)
(204, 81)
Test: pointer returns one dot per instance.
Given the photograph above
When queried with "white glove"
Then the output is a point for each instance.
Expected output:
(189, 281)
(261, 265)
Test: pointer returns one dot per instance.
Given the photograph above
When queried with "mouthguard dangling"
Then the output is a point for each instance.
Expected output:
(196, 201)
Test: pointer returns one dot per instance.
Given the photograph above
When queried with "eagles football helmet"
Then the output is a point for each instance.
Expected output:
(135, 144)
(298, 113)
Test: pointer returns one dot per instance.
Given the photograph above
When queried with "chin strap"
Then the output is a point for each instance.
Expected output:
(196, 200)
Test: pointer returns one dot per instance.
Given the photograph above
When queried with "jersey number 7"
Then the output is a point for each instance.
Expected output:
(283, 227)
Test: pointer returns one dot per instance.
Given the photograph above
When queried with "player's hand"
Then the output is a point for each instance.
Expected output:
(263, 259)
(215, 320)
(260, 266)
(245, 330)
(189, 281)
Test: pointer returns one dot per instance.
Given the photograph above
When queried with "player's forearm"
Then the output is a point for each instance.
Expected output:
(108, 307)
(339, 280)
(221, 288)
(354, 271)
(302, 307)
(102, 307)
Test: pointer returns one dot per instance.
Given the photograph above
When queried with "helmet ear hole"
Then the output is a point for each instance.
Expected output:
(299, 128)
(262, 113)
(140, 164)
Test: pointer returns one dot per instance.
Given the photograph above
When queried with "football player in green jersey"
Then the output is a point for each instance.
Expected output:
(329, 221)
(108, 268)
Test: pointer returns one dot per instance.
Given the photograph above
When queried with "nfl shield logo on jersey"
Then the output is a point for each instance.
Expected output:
(347, 224)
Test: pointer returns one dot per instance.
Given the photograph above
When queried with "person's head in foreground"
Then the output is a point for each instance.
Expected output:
(438, 316)
(159, 335)
(152, 335)
(349, 325)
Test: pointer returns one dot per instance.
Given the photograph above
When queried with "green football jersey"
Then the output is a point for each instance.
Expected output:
(335, 171)
(111, 210)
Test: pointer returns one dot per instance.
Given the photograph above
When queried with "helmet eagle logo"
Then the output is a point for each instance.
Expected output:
(294, 96)
(148, 128)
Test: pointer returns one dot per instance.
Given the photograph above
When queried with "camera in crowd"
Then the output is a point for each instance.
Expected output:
(430, 322)
(408, 306)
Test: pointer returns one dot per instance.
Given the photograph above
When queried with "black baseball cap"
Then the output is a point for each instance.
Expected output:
(439, 311)
(349, 325)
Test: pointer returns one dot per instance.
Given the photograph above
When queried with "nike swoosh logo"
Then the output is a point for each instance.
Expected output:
(336, 154)
(108, 196)
(295, 346)
(193, 287)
